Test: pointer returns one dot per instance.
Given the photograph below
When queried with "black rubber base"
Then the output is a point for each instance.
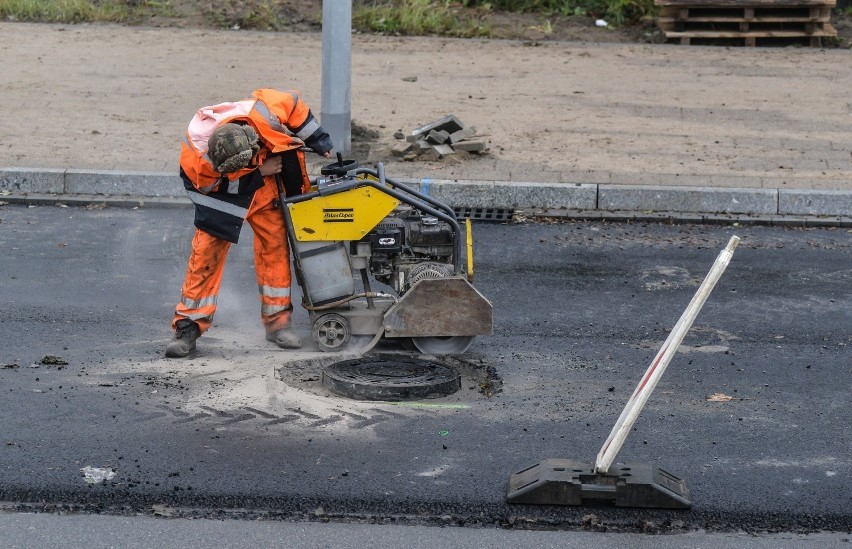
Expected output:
(390, 378)
(565, 482)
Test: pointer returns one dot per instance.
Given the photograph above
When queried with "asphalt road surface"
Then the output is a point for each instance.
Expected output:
(580, 309)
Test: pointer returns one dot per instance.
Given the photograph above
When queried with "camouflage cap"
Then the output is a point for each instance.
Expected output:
(231, 147)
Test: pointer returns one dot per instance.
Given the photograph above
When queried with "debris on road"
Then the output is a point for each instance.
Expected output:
(51, 360)
(95, 475)
(160, 510)
(719, 397)
(438, 139)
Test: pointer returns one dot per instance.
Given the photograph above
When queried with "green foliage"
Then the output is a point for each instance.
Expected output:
(418, 17)
(79, 11)
(251, 14)
(619, 12)
(461, 18)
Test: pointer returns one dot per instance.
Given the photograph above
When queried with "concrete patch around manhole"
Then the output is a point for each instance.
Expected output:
(305, 373)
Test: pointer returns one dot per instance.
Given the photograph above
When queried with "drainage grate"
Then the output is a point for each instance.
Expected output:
(484, 214)
(391, 378)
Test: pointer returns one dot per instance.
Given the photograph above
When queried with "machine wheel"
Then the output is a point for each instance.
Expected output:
(443, 345)
(331, 332)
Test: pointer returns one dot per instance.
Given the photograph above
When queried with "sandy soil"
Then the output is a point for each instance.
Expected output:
(118, 98)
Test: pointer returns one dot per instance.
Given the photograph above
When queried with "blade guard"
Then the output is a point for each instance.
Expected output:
(440, 307)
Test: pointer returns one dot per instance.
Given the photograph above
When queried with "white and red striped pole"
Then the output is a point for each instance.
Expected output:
(652, 375)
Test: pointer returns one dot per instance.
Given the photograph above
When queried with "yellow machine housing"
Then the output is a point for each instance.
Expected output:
(347, 215)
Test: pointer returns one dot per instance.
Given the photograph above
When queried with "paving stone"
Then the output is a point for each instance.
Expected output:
(462, 134)
(436, 137)
(470, 146)
(440, 151)
(449, 123)
(401, 149)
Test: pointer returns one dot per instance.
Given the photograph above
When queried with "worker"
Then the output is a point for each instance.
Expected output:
(230, 158)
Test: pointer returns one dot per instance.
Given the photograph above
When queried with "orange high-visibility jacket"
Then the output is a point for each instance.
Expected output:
(283, 122)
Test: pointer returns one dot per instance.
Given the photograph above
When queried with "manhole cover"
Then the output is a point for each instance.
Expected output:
(390, 377)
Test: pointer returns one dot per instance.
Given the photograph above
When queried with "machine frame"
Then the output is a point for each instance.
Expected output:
(440, 315)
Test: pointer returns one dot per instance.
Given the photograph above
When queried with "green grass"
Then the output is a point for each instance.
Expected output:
(79, 11)
(250, 14)
(419, 17)
(619, 12)
(459, 18)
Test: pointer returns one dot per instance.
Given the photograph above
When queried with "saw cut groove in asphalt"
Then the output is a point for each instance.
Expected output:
(390, 378)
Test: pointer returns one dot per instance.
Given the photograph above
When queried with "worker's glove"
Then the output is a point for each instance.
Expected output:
(320, 142)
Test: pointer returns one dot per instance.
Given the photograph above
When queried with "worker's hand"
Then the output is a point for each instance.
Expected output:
(271, 166)
(328, 154)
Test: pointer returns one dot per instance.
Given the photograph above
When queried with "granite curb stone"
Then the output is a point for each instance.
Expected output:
(140, 187)
(507, 195)
(814, 202)
(32, 180)
(127, 183)
(688, 199)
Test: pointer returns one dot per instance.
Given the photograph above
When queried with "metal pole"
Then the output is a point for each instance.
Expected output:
(336, 110)
(631, 410)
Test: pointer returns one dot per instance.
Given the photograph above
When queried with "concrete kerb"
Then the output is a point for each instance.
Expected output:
(582, 200)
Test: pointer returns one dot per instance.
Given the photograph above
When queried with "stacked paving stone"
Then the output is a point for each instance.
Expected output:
(438, 139)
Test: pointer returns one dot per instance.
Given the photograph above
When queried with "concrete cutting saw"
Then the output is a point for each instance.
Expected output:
(405, 248)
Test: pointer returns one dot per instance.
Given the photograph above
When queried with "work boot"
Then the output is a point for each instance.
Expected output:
(285, 338)
(186, 332)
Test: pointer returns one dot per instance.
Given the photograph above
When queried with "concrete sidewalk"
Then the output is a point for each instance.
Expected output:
(580, 129)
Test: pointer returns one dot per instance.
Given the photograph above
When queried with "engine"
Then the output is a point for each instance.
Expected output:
(408, 246)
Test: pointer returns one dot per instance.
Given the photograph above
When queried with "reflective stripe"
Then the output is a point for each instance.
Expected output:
(295, 97)
(271, 291)
(198, 303)
(270, 310)
(276, 125)
(309, 129)
(234, 186)
(220, 205)
(195, 316)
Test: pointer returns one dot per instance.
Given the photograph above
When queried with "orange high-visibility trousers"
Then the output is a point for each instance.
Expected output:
(206, 264)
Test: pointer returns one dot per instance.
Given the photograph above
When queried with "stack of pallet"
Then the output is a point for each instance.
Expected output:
(746, 22)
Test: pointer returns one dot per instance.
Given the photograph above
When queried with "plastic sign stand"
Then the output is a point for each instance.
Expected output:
(566, 482)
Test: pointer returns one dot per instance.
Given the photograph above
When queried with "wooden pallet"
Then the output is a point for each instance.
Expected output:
(746, 22)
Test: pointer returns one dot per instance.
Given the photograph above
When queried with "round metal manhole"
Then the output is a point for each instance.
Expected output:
(390, 377)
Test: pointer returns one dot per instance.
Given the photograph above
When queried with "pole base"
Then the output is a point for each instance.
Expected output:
(565, 482)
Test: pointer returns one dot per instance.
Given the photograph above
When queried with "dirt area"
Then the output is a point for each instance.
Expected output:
(590, 110)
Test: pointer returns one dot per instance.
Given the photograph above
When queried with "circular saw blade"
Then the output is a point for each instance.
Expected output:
(448, 345)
